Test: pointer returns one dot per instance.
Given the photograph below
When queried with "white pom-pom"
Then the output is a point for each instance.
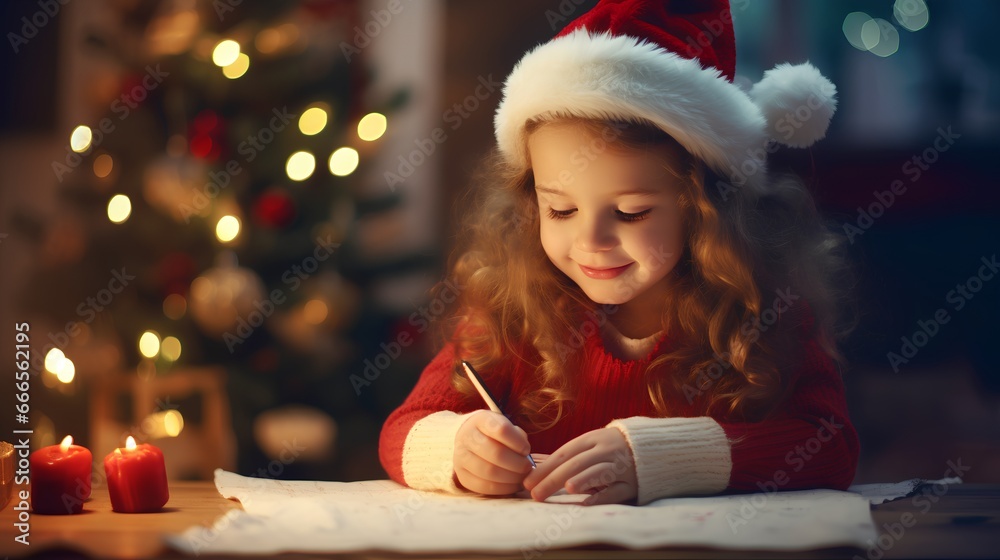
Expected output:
(798, 103)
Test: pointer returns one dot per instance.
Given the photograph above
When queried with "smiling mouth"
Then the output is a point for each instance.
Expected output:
(604, 273)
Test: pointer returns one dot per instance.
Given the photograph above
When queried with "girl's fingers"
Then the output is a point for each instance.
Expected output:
(476, 483)
(497, 453)
(497, 427)
(557, 477)
(585, 464)
(592, 479)
(509, 468)
(617, 493)
(568, 451)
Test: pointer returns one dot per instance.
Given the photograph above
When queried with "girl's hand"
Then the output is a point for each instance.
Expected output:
(599, 463)
(491, 454)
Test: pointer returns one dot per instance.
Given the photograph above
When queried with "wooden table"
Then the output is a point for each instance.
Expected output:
(963, 522)
(102, 533)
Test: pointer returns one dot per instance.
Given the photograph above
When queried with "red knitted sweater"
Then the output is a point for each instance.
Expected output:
(808, 443)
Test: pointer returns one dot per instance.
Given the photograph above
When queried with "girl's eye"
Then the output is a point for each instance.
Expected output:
(624, 216)
(560, 214)
(634, 217)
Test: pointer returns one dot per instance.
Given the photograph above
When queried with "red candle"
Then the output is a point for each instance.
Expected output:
(137, 478)
(60, 478)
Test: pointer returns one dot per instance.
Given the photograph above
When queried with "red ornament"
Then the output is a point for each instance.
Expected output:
(205, 122)
(201, 146)
(274, 209)
(206, 138)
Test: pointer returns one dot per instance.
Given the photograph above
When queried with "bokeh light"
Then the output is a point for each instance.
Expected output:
(300, 166)
(888, 38)
(119, 208)
(174, 306)
(874, 35)
(80, 139)
(54, 359)
(314, 312)
(852, 29)
(276, 39)
(163, 423)
(313, 120)
(343, 161)
(372, 126)
(225, 53)
(870, 34)
(173, 422)
(149, 344)
(913, 15)
(170, 348)
(268, 40)
(238, 67)
(103, 164)
(227, 228)
(66, 371)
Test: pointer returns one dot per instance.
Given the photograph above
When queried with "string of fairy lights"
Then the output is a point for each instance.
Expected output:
(229, 56)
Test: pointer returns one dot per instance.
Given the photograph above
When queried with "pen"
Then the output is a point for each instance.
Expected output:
(487, 396)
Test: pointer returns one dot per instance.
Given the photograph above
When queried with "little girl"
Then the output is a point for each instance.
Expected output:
(653, 309)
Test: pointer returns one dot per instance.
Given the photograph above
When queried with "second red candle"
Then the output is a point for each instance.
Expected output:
(137, 478)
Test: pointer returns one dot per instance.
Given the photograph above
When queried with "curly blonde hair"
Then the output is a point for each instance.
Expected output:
(740, 248)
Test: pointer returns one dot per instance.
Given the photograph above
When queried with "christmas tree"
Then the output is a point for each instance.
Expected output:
(208, 232)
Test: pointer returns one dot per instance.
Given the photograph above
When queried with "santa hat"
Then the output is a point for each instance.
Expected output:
(670, 63)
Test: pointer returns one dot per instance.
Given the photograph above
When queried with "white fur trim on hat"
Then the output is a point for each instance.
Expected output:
(622, 78)
(798, 103)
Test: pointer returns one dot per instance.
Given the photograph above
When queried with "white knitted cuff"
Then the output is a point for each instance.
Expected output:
(677, 456)
(429, 452)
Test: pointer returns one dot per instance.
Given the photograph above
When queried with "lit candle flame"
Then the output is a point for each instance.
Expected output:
(130, 443)
(66, 442)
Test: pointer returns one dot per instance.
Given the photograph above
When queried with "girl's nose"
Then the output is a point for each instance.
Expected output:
(595, 235)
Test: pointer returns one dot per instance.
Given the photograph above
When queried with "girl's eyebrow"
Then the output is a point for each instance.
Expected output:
(550, 191)
(637, 191)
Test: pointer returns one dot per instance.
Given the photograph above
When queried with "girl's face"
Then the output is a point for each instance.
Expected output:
(610, 218)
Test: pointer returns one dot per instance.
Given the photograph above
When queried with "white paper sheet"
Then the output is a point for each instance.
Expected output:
(309, 516)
